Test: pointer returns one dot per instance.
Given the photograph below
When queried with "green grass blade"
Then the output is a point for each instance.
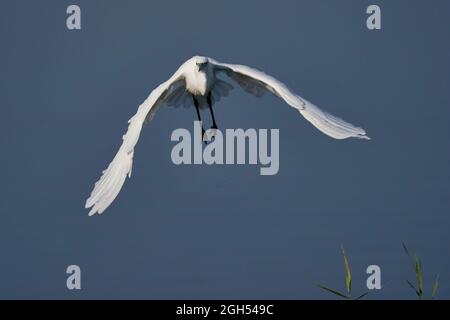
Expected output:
(334, 292)
(362, 296)
(406, 249)
(348, 274)
(419, 275)
(411, 285)
(435, 287)
(414, 288)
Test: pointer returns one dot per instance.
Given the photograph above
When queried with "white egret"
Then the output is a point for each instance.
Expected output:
(197, 83)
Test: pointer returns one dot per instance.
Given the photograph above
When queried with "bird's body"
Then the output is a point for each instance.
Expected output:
(199, 82)
(196, 83)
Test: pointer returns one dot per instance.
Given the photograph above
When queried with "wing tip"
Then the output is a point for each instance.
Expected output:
(88, 203)
(364, 137)
(92, 207)
(96, 209)
(361, 135)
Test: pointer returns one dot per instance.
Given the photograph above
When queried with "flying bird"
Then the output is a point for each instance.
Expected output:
(198, 82)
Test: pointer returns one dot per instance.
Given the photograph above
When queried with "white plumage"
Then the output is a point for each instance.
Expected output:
(197, 77)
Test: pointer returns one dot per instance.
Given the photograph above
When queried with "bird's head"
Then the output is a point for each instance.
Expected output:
(201, 63)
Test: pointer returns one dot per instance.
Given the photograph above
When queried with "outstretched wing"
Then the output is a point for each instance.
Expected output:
(256, 82)
(108, 186)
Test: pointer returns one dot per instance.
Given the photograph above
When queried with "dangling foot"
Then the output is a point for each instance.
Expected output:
(213, 130)
(204, 137)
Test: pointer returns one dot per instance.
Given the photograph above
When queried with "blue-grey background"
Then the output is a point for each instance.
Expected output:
(224, 231)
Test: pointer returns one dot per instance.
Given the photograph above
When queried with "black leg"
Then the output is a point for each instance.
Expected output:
(198, 115)
(208, 98)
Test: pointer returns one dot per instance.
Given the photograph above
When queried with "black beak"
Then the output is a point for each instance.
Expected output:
(201, 66)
